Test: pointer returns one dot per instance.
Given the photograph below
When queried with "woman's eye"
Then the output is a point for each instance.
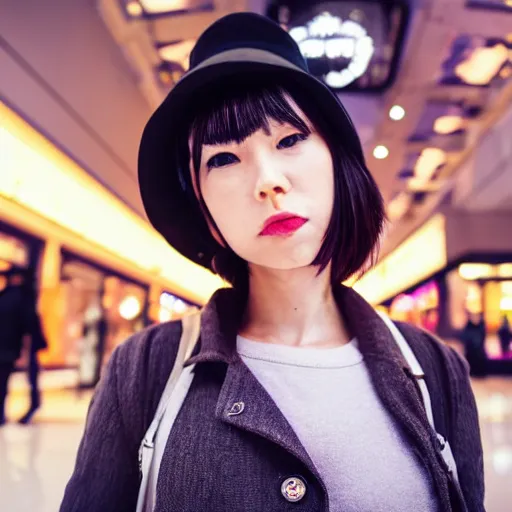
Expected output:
(221, 160)
(291, 140)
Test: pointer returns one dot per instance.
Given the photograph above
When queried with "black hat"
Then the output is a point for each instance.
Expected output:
(238, 44)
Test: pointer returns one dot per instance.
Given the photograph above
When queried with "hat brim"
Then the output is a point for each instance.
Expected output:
(170, 209)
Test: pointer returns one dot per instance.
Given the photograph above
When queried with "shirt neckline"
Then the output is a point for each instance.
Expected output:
(337, 357)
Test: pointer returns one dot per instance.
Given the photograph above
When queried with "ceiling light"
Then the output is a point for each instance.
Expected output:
(445, 125)
(428, 162)
(134, 9)
(160, 6)
(177, 52)
(380, 152)
(473, 271)
(397, 113)
(482, 65)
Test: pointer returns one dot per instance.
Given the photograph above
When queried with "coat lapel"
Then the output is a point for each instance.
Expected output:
(394, 383)
(245, 404)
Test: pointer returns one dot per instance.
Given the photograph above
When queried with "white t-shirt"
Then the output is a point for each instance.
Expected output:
(358, 449)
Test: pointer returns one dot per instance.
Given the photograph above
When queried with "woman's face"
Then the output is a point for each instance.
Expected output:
(279, 172)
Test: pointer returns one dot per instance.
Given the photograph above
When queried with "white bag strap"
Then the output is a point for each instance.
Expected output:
(191, 325)
(418, 373)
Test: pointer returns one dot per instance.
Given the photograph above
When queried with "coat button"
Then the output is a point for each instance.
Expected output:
(293, 489)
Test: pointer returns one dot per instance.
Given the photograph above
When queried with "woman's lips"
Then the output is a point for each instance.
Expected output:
(283, 224)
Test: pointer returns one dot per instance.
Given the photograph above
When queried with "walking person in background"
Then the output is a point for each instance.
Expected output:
(298, 395)
(473, 338)
(505, 336)
(37, 343)
(18, 318)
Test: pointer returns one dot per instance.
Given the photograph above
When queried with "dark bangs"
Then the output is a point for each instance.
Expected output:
(236, 112)
(235, 116)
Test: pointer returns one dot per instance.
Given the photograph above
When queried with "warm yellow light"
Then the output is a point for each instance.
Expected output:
(380, 152)
(482, 65)
(165, 77)
(4, 265)
(428, 162)
(159, 6)
(35, 175)
(505, 270)
(130, 308)
(473, 271)
(134, 9)
(506, 72)
(420, 256)
(397, 113)
(399, 206)
(178, 52)
(445, 125)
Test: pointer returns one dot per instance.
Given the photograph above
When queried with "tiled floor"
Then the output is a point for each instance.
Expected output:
(36, 461)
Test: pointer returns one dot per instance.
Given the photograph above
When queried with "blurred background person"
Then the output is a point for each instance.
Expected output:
(505, 336)
(473, 338)
(18, 317)
(37, 342)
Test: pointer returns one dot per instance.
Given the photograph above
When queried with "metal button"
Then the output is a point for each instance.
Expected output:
(236, 409)
(293, 489)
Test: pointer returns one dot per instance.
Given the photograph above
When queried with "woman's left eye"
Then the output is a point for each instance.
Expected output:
(291, 140)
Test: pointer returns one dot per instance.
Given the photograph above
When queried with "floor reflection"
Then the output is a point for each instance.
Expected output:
(36, 461)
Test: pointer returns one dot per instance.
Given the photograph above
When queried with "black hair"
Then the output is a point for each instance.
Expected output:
(235, 112)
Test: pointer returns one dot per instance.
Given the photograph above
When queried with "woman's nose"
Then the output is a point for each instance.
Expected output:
(272, 186)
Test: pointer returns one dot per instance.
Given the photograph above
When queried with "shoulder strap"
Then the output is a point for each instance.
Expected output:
(189, 336)
(418, 373)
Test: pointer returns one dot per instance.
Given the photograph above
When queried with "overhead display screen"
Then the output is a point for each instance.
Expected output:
(354, 45)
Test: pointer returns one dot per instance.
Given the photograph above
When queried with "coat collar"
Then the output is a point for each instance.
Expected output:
(222, 316)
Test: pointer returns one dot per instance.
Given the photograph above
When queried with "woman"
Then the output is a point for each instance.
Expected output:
(300, 398)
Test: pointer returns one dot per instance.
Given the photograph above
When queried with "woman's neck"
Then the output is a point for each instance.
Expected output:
(293, 307)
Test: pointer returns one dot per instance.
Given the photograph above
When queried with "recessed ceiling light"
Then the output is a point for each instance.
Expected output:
(397, 113)
(380, 152)
(162, 6)
(445, 125)
(134, 9)
(482, 65)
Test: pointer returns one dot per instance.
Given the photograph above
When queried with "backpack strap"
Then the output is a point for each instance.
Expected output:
(189, 337)
(419, 375)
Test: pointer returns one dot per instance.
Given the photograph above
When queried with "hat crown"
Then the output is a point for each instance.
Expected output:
(246, 30)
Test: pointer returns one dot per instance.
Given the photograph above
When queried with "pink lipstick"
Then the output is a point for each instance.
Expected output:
(282, 224)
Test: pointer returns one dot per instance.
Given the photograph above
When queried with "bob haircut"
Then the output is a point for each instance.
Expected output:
(236, 111)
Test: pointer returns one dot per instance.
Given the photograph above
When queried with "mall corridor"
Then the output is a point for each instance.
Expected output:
(39, 458)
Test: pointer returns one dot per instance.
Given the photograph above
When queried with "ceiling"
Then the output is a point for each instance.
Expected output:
(449, 43)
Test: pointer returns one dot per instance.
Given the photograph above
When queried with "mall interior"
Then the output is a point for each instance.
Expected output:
(430, 93)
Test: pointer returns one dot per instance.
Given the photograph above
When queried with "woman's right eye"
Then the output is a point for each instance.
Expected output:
(221, 160)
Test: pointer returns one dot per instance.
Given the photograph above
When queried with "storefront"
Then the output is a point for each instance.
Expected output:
(100, 309)
(95, 285)
(449, 272)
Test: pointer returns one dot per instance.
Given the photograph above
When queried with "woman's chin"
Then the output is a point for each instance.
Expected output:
(284, 261)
